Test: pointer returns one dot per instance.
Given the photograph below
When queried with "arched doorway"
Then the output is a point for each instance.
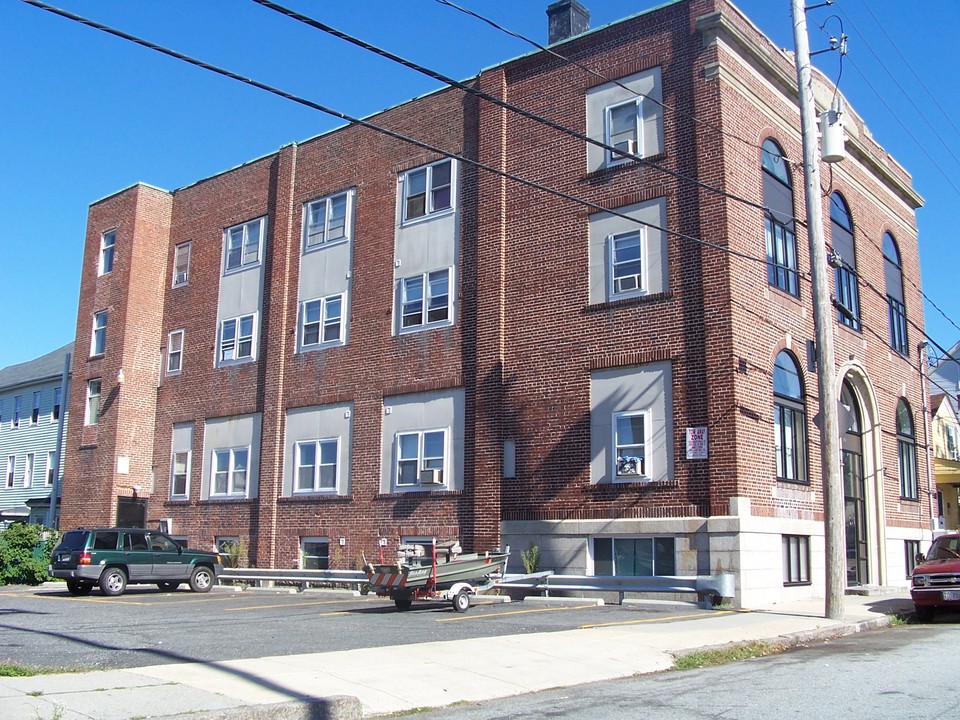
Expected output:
(854, 487)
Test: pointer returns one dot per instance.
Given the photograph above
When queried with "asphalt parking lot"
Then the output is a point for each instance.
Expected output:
(46, 627)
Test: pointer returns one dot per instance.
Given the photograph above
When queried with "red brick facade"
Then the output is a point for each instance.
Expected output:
(526, 340)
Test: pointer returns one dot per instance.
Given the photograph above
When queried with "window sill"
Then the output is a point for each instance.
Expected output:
(909, 499)
(307, 249)
(227, 499)
(630, 301)
(427, 218)
(611, 169)
(314, 497)
(793, 483)
(397, 493)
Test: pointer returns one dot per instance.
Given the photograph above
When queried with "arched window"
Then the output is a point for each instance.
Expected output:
(789, 420)
(844, 263)
(896, 311)
(779, 225)
(906, 452)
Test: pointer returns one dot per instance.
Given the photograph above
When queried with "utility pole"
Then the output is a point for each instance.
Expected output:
(833, 502)
(58, 456)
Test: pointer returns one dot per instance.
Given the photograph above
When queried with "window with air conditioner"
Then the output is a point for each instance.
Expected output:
(420, 458)
(626, 116)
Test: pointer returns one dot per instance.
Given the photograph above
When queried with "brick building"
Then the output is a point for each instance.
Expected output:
(356, 338)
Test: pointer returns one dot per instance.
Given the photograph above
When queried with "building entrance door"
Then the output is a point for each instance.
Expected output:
(854, 491)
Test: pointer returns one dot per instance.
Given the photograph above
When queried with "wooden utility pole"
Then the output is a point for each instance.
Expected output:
(833, 503)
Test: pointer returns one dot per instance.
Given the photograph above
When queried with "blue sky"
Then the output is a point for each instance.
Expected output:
(87, 114)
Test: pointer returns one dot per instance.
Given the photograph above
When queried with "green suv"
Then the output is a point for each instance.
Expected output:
(113, 557)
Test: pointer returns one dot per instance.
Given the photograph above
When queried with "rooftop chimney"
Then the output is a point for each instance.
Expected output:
(566, 19)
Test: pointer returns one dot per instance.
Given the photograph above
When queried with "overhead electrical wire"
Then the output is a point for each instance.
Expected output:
(913, 72)
(346, 37)
(398, 136)
(594, 73)
(376, 128)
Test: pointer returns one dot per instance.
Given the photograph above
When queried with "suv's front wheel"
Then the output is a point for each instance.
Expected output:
(113, 581)
(202, 579)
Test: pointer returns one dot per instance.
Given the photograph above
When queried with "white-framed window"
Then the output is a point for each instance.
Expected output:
(243, 245)
(98, 339)
(231, 467)
(181, 264)
(175, 352)
(953, 447)
(326, 221)
(796, 560)
(51, 456)
(316, 466)
(35, 413)
(425, 299)
(11, 464)
(314, 553)
(17, 406)
(625, 114)
(421, 458)
(622, 130)
(28, 469)
(631, 439)
(236, 339)
(321, 322)
(57, 399)
(627, 257)
(108, 241)
(634, 556)
(92, 408)
(180, 474)
(428, 190)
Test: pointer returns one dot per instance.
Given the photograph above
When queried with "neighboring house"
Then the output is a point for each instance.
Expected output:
(945, 439)
(362, 341)
(32, 407)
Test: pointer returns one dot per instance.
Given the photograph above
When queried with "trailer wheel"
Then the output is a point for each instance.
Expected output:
(461, 601)
(403, 601)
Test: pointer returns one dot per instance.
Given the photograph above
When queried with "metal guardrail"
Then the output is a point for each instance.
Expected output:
(269, 577)
(718, 586)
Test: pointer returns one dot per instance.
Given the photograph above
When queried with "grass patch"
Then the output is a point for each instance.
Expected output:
(723, 656)
(16, 670)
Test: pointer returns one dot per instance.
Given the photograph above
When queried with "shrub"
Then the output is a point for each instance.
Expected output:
(25, 554)
(531, 559)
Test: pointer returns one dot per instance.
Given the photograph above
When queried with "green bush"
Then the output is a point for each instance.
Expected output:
(531, 559)
(25, 554)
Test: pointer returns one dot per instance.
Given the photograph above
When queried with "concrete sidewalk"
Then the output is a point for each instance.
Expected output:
(373, 681)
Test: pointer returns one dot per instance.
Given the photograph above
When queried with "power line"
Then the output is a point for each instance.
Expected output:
(594, 73)
(377, 128)
(398, 136)
(323, 27)
(905, 94)
(896, 49)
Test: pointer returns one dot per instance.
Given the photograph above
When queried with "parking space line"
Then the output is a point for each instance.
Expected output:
(297, 604)
(516, 612)
(713, 613)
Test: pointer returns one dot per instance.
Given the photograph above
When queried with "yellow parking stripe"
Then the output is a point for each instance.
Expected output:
(715, 613)
(516, 612)
(286, 605)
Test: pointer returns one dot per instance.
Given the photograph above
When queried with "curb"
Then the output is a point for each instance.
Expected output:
(801, 638)
(336, 707)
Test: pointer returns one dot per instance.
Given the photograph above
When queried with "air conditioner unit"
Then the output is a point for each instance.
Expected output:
(165, 525)
(622, 152)
(431, 477)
